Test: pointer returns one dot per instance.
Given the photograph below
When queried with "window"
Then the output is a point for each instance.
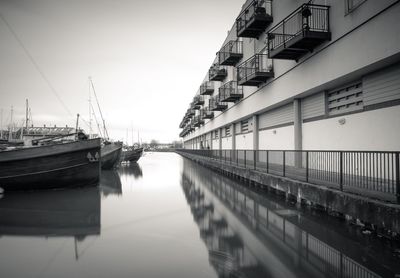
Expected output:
(351, 5)
(216, 134)
(244, 126)
(346, 99)
(227, 131)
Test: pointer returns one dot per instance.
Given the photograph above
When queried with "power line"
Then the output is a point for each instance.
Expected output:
(35, 64)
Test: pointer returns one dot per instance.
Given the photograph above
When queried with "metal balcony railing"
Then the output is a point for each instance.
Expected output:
(217, 73)
(230, 92)
(198, 121)
(254, 19)
(198, 100)
(370, 173)
(231, 53)
(207, 88)
(300, 32)
(207, 113)
(255, 71)
(216, 105)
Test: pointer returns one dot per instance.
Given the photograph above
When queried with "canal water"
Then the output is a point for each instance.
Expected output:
(169, 217)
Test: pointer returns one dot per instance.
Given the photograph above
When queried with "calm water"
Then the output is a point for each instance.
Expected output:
(169, 217)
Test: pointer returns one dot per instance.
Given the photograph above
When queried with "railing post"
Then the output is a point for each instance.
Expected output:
(254, 157)
(244, 158)
(284, 163)
(267, 161)
(398, 177)
(307, 166)
(341, 170)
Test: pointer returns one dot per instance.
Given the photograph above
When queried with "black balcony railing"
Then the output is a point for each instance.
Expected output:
(374, 174)
(230, 92)
(300, 32)
(198, 100)
(216, 105)
(207, 113)
(254, 19)
(207, 88)
(190, 112)
(198, 121)
(255, 70)
(217, 73)
(231, 53)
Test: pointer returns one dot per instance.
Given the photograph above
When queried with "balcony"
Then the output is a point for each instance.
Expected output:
(198, 121)
(217, 73)
(231, 53)
(207, 88)
(190, 112)
(255, 71)
(300, 32)
(207, 113)
(216, 105)
(198, 100)
(254, 19)
(230, 92)
(194, 106)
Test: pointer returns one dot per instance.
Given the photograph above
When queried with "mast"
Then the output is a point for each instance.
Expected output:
(77, 123)
(90, 114)
(11, 123)
(26, 115)
(1, 124)
(98, 105)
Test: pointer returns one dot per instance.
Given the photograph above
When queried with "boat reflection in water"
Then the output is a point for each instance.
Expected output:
(130, 173)
(67, 213)
(249, 234)
(110, 183)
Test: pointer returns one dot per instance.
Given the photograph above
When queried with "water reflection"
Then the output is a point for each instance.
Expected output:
(71, 213)
(110, 183)
(249, 235)
(131, 170)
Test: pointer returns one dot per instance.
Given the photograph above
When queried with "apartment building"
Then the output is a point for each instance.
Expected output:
(302, 75)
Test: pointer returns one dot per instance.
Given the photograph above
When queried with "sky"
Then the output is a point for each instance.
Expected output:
(146, 59)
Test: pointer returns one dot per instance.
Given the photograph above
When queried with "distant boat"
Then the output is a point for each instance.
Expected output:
(131, 155)
(51, 165)
(110, 155)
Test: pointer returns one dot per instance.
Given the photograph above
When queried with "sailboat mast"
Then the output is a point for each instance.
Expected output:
(1, 124)
(98, 105)
(11, 124)
(90, 114)
(26, 115)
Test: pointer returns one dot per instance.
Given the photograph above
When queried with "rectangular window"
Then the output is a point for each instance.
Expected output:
(351, 5)
(346, 99)
(216, 134)
(244, 126)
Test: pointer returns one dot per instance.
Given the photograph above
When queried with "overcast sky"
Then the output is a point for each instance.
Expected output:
(146, 59)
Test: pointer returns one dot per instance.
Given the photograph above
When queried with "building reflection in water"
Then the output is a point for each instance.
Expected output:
(70, 213)
(250, 235)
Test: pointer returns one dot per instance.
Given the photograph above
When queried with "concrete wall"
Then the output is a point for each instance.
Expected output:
(244, 141)
(227, 143)
(283, 139)
(371, 130)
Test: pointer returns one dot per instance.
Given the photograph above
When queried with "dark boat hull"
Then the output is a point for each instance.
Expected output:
(110, 156)
(132, 155)
(73, 164)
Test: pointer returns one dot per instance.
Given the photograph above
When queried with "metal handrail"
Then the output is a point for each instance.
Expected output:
(256, 63)
(249, 12)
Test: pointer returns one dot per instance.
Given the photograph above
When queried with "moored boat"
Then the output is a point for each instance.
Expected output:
(110, 154)
(53, 165)
(131, 155)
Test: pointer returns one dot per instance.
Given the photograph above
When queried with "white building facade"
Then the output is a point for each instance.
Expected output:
(303, 75)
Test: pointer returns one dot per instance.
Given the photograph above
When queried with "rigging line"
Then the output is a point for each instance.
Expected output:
(98, 105)
(95, 119)
(35, 64)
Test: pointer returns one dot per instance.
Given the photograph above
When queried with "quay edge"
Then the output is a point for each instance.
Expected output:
(380, 215)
